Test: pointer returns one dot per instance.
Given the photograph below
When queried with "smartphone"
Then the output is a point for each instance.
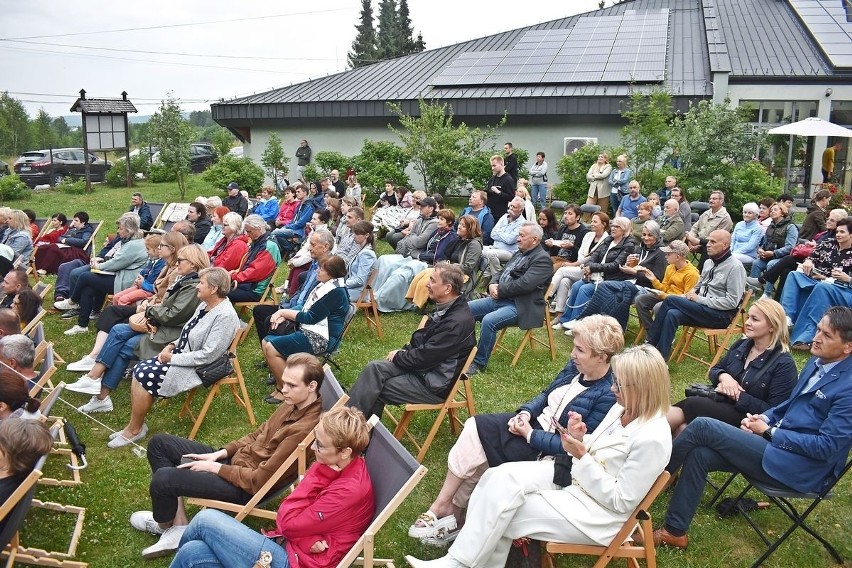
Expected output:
(557, 426)
(186, 459)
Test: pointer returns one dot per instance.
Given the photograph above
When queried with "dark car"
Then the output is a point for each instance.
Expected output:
(35, 167)
(201, 156)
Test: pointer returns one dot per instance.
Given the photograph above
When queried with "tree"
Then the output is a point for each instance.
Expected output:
(648, 135)
(274, 159)
(446, 156)
(387, 40)
(405, 32)
(222, 141)
(43, 134)
(364, 47)
(572, 169)
(378, 161)
(14, 126)
(173, 135)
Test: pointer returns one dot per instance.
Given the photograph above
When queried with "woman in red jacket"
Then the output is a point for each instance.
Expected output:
(228, 252)
(317, 524)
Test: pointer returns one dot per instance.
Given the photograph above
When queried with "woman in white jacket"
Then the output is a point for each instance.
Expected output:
(611, 472)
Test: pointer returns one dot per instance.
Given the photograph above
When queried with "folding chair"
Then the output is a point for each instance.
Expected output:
(234, 380)
(60, 442)
(782, 498)
(156, 212)
(332, 395)
(248, 307)
(717, 339)
(333, 349)
(367, 301)
(530, 338)
(89, 247)
(619, 548)
(394, 474)
(477, 279)
(46, 371)
(42, 288)
(35, 321)
(14, 510)
(460, 396)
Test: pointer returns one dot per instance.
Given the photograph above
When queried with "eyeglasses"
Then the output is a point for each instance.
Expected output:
(182, 259)
(319, 447)
(164, 245)
(617, 384)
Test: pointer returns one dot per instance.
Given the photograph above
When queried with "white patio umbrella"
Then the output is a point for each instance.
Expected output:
(811, 126)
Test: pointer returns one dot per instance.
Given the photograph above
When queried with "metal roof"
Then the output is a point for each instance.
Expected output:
(750, 39)
(103, 105)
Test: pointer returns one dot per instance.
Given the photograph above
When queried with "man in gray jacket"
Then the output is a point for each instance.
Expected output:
(714, 301)
(416, 236)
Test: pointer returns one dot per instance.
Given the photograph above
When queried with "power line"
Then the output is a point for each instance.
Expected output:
(156, 99)
(171, 52)
(188, 24)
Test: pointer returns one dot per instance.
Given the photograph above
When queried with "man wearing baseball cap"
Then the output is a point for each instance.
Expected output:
(416, 236)
(235, 200)
(681, 275)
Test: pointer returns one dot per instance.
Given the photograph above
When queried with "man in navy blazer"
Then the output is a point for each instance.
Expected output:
(803, 443)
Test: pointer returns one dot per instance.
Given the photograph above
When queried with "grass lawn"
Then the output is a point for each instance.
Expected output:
(116, 482)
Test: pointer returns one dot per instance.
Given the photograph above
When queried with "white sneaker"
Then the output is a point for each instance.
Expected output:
(569, 332)
(97, 405)
(83, 365)
(569, 324)
(67, 304)
(557, 325)
(76, 330)
(144, 521)
(167, 544)
(85, 385)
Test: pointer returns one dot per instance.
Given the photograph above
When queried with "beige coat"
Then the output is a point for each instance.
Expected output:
(598, 177)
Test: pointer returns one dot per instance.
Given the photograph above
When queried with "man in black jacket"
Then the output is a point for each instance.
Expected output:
(235, 201)
(516, 294)
(424, 369)
(139, 206)
(500, 188)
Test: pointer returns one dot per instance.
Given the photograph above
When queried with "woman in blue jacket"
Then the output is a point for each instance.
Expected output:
(489, 440)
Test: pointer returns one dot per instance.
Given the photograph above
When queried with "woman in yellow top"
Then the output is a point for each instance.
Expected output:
(681, 276)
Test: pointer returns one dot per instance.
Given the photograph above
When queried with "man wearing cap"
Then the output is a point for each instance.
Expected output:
(681, 275)
(416, 236)
(235, 200)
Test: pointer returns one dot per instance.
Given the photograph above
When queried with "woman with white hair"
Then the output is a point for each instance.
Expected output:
(18, 235)
(747, 235)
(232, 246)
(250, 279)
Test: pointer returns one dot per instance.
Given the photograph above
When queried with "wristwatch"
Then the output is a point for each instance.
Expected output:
(767, 434)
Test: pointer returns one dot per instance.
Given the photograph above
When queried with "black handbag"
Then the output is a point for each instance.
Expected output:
(218, 369)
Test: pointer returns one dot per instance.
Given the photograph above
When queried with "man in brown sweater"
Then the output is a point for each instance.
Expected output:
(185, 468)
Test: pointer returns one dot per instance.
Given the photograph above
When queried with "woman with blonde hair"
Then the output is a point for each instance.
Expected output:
(619, 180)
(756, 374)
(598, 178)
(587, 503)
(18, 235)
(523, 192)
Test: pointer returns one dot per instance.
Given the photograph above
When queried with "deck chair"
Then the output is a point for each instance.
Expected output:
(89, 247)
(459, 397)
(367, 301)
(156, 212)
(332, 396)
(42, 289)
(618, 548)
(60, 442)
(529, 338)
(717, 339)
(35, 321)
(394, 474)
(15, 510)
(248, 307)
(46, 371)
(234, 380)
(171, 214)
(333, 349)
(476, 279)
(783, 499)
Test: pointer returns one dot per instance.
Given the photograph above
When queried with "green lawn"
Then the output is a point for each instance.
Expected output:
(116, 482)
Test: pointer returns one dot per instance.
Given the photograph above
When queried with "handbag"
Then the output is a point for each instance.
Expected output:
(801, 251)
(138, 323)
(216, 370)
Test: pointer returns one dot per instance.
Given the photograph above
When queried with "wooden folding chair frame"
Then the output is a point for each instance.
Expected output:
(460, 396)
(333, 397)
(717, 339)
(234, 380)
(529, 338)
(367, 301)
(618, 548)
(42, 289)
(47, 370)
(34, 322)
(247, 307)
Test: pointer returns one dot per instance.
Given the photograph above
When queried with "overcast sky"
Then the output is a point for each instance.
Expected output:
(219, 49)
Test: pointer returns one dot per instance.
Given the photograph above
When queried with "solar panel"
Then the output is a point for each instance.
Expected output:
(827, 22)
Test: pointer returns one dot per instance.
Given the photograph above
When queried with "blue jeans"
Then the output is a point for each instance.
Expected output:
(758, 267)
(66, 277)
(676, 311)
(116, 353)
(710, 445)
(494, 315)
(215, 539)
(285, 239)
(539, 194)
(614, 202)
(581, 293)
(822, 297)
(796, 290)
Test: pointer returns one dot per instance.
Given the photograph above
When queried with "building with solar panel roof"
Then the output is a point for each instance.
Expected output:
(564, 82)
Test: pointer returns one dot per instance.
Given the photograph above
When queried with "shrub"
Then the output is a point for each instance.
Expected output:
(73, 187)
(523, 159)
(230, 168)
(327, 161)
(158, 173)
(312, 173)
(138, 164)
(378, 161)
(12, 187)
(572, 170)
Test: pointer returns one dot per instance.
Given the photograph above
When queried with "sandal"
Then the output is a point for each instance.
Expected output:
(428, 525)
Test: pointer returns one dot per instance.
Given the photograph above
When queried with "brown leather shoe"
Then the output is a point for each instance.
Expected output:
(801, 347)
(662, 536)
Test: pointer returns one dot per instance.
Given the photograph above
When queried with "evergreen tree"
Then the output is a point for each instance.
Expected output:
(364, 47)
(387, 42)
(43, 134)
(419, 44)
(404, 30)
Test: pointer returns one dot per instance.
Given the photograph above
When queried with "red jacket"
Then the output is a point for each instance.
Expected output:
(334, 506)
(286, 213)
(228, 255)
(53, 236)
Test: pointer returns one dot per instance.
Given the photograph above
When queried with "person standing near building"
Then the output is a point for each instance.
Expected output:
(500, 188)
(538, 180)
(303, 157)
(511, 161)
(828, 161)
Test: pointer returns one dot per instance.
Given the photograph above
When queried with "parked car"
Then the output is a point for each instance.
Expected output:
(201, 157)
(34, 167)
(236, 151)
